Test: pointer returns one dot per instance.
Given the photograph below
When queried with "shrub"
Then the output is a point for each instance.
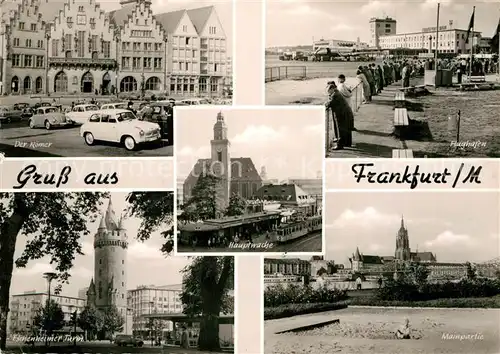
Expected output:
(301, 294)
(288, 310)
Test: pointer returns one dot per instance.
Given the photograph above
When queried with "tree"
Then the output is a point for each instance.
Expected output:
(237, 205)
(113, 321)
(417, 273)
(52, 224)
(207, 281)
(49, 318)
(91, 321)
(155, 209)
(203, 202)
(470, 271)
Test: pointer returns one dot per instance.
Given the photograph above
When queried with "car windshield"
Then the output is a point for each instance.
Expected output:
(91, 108)
(51, 110)
(124, 116)
(121, 106)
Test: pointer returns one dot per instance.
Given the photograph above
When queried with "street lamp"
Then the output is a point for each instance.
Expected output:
(49, 276)
(151, 303)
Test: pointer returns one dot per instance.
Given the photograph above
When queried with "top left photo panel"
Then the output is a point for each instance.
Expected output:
(83, 78)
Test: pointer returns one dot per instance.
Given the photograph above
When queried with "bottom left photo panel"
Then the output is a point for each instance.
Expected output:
(93, 272)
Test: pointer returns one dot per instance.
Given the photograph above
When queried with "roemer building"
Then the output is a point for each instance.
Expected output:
(73, 46)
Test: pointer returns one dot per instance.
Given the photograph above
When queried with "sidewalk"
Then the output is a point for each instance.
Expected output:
(286, 324)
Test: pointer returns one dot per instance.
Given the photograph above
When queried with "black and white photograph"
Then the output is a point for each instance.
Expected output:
(95, 273)
(69, 66)
(398, 79)
(402, 273)
(249, 179)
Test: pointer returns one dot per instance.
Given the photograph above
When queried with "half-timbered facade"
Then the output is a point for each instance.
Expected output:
(142, 50)
(82, 50)
(25, 47)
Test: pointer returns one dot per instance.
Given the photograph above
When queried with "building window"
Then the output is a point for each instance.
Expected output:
(219, 156)
(16, 60)
(21, 26)
(106, 48)
(214, 85)
(184, 28)
(39, 61)
(80, 9)
(157, 63)
(153, 83)
(28, 43)
(212, 30)
(28, 61)
(33, 27)
(16, 42)
(203, 84)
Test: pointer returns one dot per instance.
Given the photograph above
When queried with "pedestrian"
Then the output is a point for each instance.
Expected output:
(366, 86)
(459, 75)
(344, 90)
(406, 75)
(342, 115)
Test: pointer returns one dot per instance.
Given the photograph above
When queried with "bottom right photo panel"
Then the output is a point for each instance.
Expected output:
(403, 272)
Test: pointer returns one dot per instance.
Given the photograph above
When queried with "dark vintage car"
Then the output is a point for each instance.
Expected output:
(9, 114)
(124, 340)
(25, 108)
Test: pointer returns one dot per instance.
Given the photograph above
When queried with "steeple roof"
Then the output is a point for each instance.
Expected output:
(357, 255)
(109, 220)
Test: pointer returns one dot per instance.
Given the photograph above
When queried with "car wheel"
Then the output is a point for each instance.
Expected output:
(89, 139)
(47, 125)
(140, 344)
(129, 143)
(32, 124)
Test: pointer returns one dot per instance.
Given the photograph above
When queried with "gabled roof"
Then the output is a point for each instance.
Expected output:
(200, 16)
(120, 16)
(424, 256)
(170, 20)
(242, 169)
(282, 192)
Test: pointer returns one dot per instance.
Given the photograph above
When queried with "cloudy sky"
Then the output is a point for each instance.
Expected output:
(145, 261)
(457, 227)
(224, 9)
(348, 20)
(289, 142)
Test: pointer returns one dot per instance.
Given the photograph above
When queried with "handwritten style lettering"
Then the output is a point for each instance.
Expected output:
(30, 173)
(94, 178)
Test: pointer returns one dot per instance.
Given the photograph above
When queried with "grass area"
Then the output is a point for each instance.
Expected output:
(289, 310)
(472, 302)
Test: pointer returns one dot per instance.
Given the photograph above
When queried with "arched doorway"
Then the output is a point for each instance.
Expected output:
(87, 83)
(61, 82)
(27, 84)
(128, 84)
(106, 83)
(38, 84)
(15, 85)
(153, 84)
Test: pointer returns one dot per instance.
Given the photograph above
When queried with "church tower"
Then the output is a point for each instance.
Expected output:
(402, 243)
(221, 163)
(110, 263)
(357, 260)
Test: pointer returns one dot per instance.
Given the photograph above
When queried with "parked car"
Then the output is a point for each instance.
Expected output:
(124, 340)
(119, 126)
(41, 104)
(161, 114)
(9, 114)
(195, 101)
(115, 105)
(81, 113)
(48, 118)
(25, 108)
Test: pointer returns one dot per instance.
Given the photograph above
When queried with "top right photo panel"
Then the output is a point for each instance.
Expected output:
(398, 79)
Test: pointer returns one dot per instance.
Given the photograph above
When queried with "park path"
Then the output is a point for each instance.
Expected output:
(286, 324)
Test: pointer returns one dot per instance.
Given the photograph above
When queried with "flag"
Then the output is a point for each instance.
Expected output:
(471, 25)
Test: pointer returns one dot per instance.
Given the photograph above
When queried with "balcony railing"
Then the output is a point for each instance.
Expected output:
(82, 61)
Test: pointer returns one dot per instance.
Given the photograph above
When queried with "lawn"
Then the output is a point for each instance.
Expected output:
(289, 310)
(472, 302)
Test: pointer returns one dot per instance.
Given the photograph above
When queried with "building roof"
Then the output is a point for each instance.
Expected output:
(200, 16)
(242, 169)
(120, 16)
(367, 259)
(45, 293)
(283, 192)
(424, 256)
(170, 20)
(109, 220)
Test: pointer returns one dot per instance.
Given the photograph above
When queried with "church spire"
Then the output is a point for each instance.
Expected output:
(220, 128)
(357, 255)
(402, 221)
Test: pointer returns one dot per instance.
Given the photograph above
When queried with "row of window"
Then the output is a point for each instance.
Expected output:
(27, 61)
(140, 63)
(22, 26)
(185, 85)
(27, 43)
(424, 37)
(138, 46)
(65, 45)
(141, 33)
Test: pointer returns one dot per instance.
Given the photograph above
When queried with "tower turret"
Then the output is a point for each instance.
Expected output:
(110, 261)
(221, 163)
(91, 294)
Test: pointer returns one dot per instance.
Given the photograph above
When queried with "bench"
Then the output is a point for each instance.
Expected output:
(399, 100)
(477, 79)
(402, 154)
(401, 117)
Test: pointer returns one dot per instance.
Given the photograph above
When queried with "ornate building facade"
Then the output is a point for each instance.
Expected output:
(73, 46)
(109, 285)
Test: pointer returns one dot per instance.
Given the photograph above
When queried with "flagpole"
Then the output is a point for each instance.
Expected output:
(472, 46)
(436, 52)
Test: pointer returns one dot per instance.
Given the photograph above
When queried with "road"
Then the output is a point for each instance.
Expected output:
(96, 347)
(308, 243)
(18, 140)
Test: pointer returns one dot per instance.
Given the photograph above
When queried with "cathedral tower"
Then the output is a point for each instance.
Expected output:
(402, 243)
(221, 163)
(110, 263)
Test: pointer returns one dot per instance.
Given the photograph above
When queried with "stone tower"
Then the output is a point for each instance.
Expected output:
(221, 163)
(357, 261)
(109, 286)
(402, 243)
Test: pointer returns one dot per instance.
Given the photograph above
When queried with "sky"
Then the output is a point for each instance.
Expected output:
(145, 261)
(288, 142)
(350, 19)
(224, 10)
(456, 227)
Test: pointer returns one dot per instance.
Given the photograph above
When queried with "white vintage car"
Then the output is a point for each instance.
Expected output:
(116, 105)
(119, 126)
(81, 113)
